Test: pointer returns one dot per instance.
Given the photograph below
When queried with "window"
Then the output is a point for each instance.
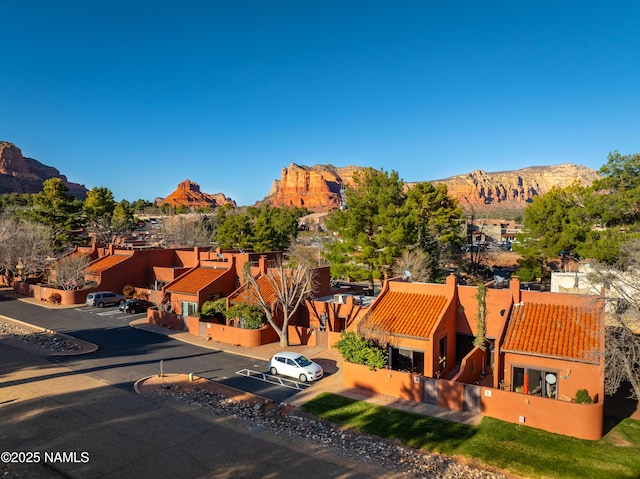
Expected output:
(189, 309)
(407, 360)
(535, 382)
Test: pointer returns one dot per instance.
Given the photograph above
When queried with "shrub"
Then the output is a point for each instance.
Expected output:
(250, 316)
(55, 298)
(360, 350)
(214, 309)
(582, 397)
(128, 291)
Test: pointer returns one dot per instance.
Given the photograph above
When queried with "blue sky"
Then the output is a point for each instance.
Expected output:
(138, 96)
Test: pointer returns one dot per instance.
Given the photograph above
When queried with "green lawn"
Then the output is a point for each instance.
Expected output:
(519, 449)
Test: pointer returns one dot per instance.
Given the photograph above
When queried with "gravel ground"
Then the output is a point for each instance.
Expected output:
(279, 420)
(46, 342)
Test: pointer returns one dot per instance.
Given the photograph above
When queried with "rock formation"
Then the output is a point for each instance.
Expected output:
(317, 187)
(513, 190)
(189, 195)
(26, 175)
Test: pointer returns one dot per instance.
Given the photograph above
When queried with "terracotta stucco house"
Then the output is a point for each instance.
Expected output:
(540, 349)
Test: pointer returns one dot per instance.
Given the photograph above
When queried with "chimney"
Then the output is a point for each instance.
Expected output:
(514, 286)
(112, 249)
(262, 264)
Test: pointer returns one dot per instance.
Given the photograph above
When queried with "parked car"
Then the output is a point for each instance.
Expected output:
(134, 306)
(104, 298)
(295, 365)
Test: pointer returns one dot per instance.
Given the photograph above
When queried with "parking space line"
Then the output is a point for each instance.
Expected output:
(268, 378)
(110, 313)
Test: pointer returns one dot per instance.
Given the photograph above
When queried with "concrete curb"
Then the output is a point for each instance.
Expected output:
(142, 380)
(204, 383)
(87, 347)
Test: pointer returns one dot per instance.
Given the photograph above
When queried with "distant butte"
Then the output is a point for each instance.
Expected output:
(188, 194)
(316, 188)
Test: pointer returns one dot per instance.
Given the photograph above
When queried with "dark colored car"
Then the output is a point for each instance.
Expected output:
(134, 306)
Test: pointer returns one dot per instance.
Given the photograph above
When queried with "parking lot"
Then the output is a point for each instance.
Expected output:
(253, 376)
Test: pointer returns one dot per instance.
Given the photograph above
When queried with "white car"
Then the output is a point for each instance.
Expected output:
(295, 365)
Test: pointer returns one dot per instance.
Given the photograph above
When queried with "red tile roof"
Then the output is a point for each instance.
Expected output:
(105, 263)
(265, 287)
(193, 281)
(562, 331)
(406, 314)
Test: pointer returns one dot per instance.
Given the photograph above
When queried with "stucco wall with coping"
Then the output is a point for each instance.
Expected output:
(583, 421)
(382, 381)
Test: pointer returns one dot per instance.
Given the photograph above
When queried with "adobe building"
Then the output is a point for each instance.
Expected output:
(540, 350)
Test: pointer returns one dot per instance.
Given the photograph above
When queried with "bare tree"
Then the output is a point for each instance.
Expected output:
(69, 272)
(622, 309)
(281, 289)
(414, 264)
(186, 231)
(306, 256)
(24, 247)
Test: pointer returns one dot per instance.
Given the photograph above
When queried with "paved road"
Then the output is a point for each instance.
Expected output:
(126, 354)
(75, 425)
(87, 404)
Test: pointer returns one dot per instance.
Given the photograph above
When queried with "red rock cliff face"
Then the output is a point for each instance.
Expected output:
(188, 194)
(515, 189)
(316, 188)
(26, 175)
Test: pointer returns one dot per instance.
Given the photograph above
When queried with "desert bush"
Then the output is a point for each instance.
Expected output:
(55, 298)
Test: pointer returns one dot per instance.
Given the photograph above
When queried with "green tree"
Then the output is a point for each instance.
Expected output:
(15, 201)
(263, 228)
(373, 229)
(233, 229)
(99, 202)
(98, 208)
(619, 188)
(143, 206)
(56, 208)
(554, 223)
(122, 219)
(434, 219)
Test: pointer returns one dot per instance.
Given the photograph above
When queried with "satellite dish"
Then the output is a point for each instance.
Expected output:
(406, 274)
(551, 378)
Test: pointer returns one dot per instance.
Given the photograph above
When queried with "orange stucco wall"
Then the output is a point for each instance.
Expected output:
(534, 411)
(472, 366)
(578, 420)
(383, 381)
(166, 320)
(42, 293)
(244, 337)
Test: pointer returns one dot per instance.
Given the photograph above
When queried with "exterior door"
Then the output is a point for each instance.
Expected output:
(472, 398)
(430, 391)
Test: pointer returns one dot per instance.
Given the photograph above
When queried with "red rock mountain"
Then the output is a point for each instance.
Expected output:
(315, 187)
(318, 187)
(513, 190)
(26, 175)
(189, 195)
